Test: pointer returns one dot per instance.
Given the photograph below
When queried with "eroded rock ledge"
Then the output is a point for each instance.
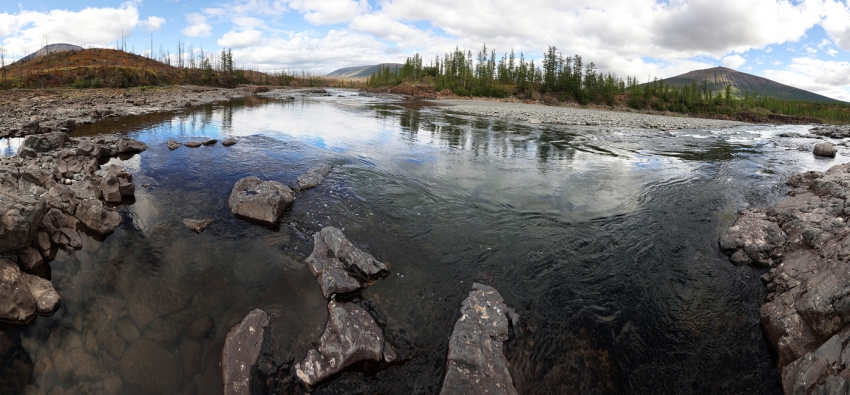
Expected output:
(805, 240)
(53, 185)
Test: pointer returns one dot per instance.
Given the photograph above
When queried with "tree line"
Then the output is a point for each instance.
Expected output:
(571, 79)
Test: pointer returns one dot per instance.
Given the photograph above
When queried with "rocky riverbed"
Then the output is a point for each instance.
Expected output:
(536, 114)
(25, 112)
(805, 242)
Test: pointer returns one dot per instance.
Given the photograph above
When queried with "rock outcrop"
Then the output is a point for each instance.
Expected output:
(807, 310)
(350, 336)
(260, 200)
(476, 363)
(339, 266)
(241, 349)
(22, 214)
(24, 295)
(313, 177)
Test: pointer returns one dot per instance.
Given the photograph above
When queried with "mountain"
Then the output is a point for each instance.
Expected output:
(718, 77)
(52, 48)
(361, 71)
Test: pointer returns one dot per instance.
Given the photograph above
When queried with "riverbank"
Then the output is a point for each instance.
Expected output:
(31, 111)
(805, 242)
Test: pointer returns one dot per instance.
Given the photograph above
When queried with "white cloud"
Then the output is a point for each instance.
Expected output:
(810, 50)
(328, 12)
(825, 77)
(198, 26)
(152, 24)
(837, 23)
(26, 31)
(832, 52)
(733, 61)
(241, 39)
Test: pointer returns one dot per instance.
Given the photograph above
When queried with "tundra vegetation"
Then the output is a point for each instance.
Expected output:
(570, 79)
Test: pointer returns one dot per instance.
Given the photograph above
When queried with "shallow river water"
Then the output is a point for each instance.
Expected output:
(605, 241)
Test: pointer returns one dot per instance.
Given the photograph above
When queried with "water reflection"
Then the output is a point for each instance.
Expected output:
(605, 240)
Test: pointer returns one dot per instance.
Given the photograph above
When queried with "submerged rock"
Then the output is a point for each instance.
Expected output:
(197, 225)
(241, 349)
(476, 363)
(350, 336)
(173, 145)
(150, 369)
(17, 304)
(825, 149)
(229, 141)
(260, 200)
(313, 177)
(192, 144)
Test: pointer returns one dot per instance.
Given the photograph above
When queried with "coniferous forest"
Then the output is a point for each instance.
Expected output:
(572, 79)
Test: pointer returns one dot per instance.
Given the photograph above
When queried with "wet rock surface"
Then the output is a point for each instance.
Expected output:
(197, 225)
(340, 267)
(833, 131)
(807, 309)
(825, 149)
(476, 361)
(229, 141)
(356, 260)
(313, 177)
(241, 349)
(350, 336)
(260, 200)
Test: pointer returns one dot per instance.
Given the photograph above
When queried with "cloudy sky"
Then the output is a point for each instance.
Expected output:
(804, 43)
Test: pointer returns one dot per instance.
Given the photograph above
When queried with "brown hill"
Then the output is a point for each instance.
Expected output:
(718, 77)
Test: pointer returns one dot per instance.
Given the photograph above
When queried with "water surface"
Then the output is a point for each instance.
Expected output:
(605, 240)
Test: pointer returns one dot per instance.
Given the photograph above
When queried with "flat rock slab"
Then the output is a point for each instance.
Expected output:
(197, 225)
(358, 261)
(313, 177)
(209, 142)
(241, 349)
(173, 145)
(754, 239)
(192, 144)
(260, 200)
(476, 363)
(229, 141)
(350, 336)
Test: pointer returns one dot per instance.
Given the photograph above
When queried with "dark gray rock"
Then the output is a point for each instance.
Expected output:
(330, 271)
(148, 368)
(42, 143)
(313, 177)
(61, 230)
(350, 336)
(192, 144)
(173, 145)
(229, 141)
(241, 349)
(825, 149)
(362, 263)
(476, 363)
(209, 142)
(29, 258)
(17, 304)
(803, 374)
(130, 146)
(97, 217)
(834, 385)
(260, 200)
(46, 298)
(20, 218)
(197, 225)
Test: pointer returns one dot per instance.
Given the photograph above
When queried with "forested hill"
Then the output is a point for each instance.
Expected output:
(718, 77)
(362, 71)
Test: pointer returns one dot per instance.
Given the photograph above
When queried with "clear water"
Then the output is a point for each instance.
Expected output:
(604, 240)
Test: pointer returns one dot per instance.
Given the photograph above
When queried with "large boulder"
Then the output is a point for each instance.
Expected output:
(117, 183)
(313, 177)
(241, 349)
(17, 305)
(476, 363)
(46, 298)
(825, 149)
(20, 218)
(148, 368)
(350, 336)
(98, 218)
(754, 239)
(362, 263)
(61, 230)
(130, 146)
(260, 200)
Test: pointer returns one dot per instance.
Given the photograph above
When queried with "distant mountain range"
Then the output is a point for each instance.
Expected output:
(52, 48)
(718, 77)
(361, 71)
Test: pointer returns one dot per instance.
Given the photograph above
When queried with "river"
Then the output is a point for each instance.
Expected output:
(604, 240)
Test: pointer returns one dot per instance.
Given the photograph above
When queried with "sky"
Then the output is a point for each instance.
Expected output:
(803, 43)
